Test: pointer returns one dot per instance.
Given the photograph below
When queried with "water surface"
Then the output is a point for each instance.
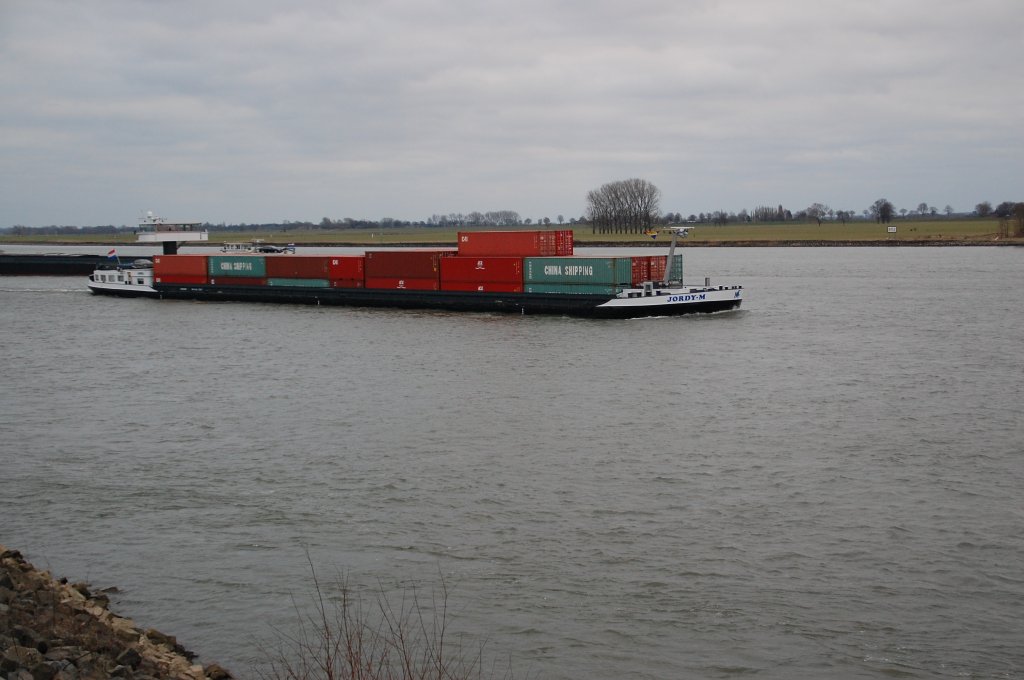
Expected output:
(823, 484)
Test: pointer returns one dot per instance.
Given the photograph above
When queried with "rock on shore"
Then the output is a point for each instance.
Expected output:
(54, 630)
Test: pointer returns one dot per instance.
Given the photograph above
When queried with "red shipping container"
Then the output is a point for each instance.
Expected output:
(394, 283)
(237, 281)
(192, 265)
(346, 268)
(179, 278)
(648, 268)
(483, 286)
(641, 269)
(482, 269)
(516, 243)
(416, 264)
(657, 267)
(297, 266)
(564, 241)
(346, 283)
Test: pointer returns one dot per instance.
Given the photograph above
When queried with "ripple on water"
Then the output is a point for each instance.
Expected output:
(820, 486)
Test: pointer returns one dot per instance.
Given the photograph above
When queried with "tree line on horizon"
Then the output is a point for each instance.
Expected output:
(624, 206)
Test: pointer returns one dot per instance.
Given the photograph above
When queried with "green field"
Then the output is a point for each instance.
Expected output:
(932, 231)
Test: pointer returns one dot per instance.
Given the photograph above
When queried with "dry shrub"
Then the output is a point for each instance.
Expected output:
(346, 638)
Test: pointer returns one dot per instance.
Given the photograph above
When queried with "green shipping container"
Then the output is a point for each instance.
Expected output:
(237, 265)
(677, 268)
(609, 271)
(303, 283)
(571, 288)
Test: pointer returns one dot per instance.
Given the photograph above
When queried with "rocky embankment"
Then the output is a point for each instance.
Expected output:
(54, 630)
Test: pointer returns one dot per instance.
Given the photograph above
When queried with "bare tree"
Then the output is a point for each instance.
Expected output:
(817, 211)
(625, 206)
(882, 210)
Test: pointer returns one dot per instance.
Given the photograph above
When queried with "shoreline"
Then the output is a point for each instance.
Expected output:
(50, 628)
(784, 243)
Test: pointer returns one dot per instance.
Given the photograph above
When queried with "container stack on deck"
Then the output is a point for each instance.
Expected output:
(347, 271)
(485, 274)
(237, 270)
(183, 269)
(404, 269)
(516, 243)
(486, 261)
(298, 270)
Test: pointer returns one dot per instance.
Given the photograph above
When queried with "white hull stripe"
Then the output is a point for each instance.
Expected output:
(681, 297)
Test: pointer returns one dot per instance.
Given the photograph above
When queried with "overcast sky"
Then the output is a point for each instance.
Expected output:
(261, 111)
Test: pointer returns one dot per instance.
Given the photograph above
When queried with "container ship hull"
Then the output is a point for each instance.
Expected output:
(665, 303)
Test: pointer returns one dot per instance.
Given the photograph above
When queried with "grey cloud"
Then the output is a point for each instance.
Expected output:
(251, 111)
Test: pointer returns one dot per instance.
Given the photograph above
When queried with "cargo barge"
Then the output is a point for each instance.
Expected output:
(523, 272)
(58, 264)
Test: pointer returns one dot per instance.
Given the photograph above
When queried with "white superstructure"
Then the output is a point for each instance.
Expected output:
(135, 279)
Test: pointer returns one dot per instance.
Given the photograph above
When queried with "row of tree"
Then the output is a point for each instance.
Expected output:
(1004, 210)
(625, 206)
(496, 218)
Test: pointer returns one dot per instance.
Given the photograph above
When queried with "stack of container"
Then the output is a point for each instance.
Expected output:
(486, 262)
(307, 271)
(652, 268)
(316, 271)
(485, 274)
(405, 269)
(577, 275)
(183, 269)
(237, 270)
(346, 271)
(516, 243)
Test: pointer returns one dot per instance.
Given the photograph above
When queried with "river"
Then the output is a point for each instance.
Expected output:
(825, 483)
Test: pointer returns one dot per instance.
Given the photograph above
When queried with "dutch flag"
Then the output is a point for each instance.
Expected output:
(112, 255)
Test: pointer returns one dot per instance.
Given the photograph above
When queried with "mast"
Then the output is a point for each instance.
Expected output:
(676, 234)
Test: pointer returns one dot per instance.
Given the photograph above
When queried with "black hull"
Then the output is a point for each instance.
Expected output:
(50, 265)
(514, 303)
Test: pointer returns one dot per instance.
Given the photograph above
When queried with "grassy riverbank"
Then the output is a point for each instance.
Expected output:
(932, 232)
